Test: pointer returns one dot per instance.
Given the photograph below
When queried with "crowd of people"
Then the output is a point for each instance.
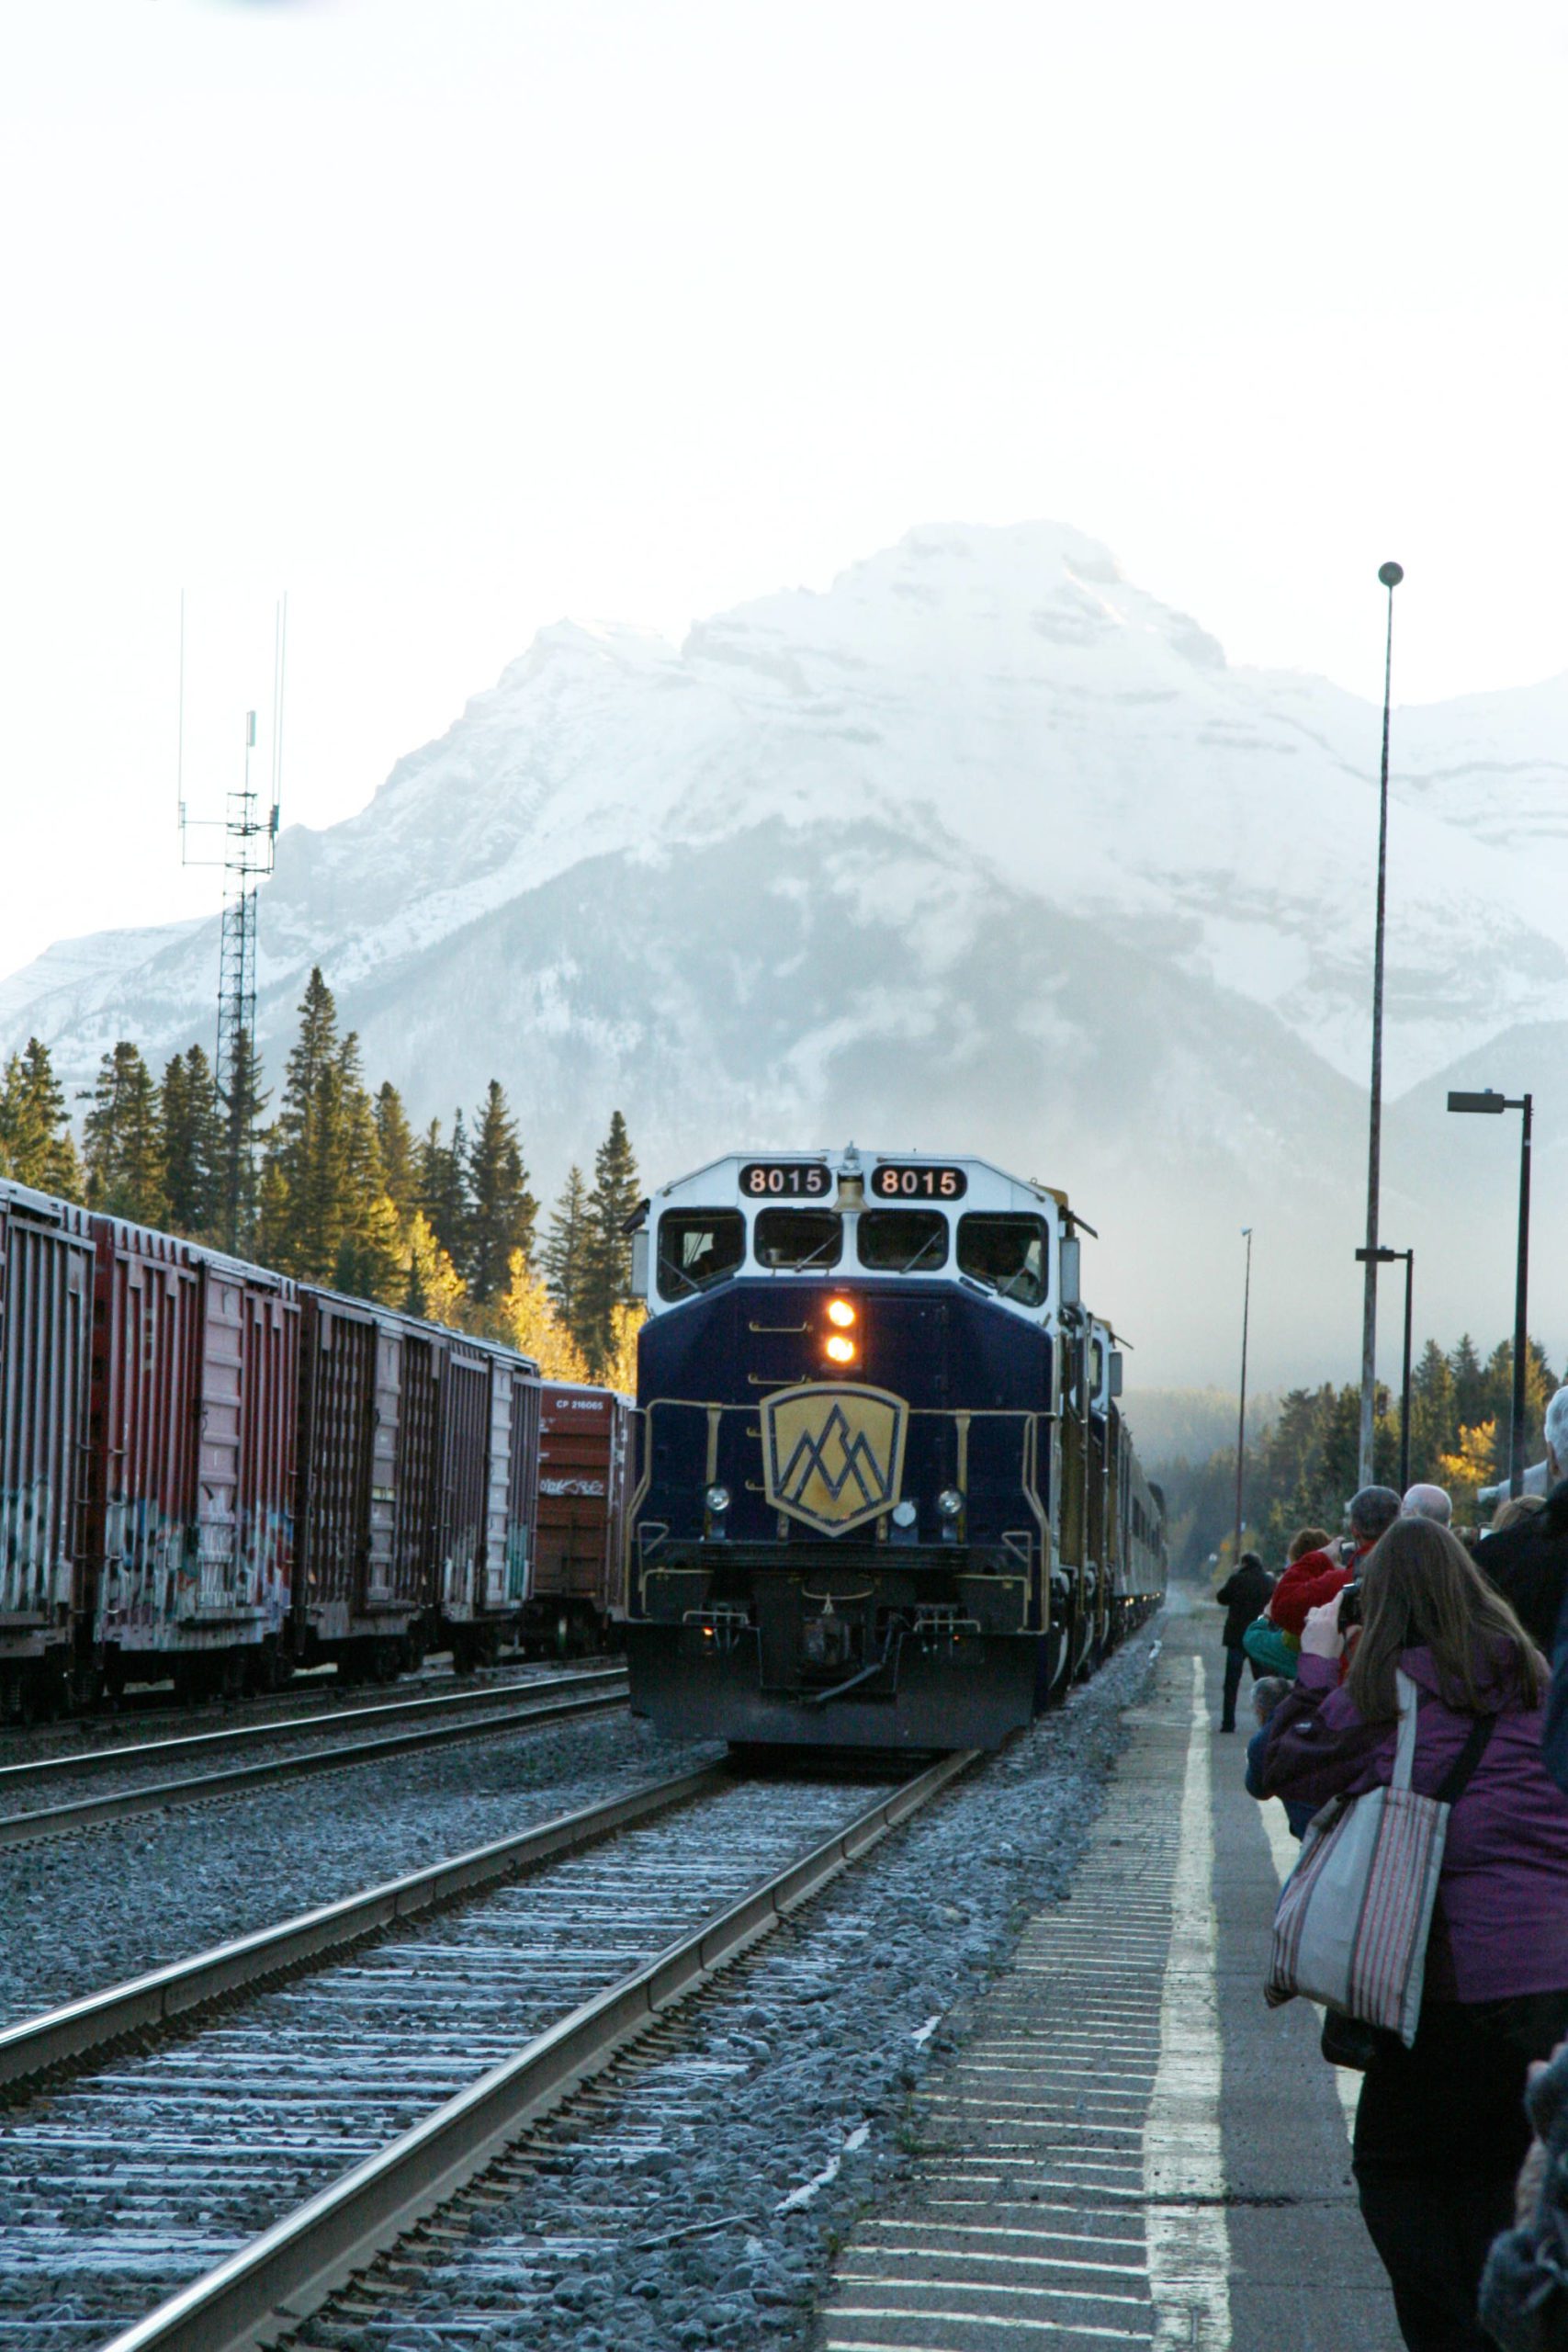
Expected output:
(1460, 2144)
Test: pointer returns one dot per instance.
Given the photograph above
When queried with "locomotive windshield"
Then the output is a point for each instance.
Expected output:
(698, 1247)
(796, 1237)
(1009, 1253)
(903, 1241)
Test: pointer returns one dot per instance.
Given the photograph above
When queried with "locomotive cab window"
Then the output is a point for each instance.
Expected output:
(902, 1241)
(1008, 1252)
(698, 1247)
(792, 1239)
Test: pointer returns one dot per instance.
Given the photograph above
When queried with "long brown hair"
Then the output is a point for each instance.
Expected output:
(1305, 1540)
(1423, 1591)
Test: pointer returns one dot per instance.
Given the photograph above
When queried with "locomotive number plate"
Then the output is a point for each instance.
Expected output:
(785, 1180)
(897, 1180)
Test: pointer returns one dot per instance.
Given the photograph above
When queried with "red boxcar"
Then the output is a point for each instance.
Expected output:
(46, 1327)
(417, 1457)
(586, 1471)
(190, 1523)
(489, 1473)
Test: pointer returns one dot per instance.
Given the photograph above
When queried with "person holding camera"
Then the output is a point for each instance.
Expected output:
(1441, 2129)
(1317, 1576)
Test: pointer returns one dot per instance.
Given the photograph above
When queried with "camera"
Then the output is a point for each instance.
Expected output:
(1350, 1605)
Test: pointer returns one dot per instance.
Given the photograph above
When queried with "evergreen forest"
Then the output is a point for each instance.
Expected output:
(341, 1190)
(1300, 1470)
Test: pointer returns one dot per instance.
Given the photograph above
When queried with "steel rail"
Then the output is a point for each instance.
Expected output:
(265, 2290)
(115, 1805)
(39, 2044)
(238, 1735)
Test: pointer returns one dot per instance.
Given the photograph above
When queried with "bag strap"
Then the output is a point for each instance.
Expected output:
(1404, 1746)
(1457, 1777)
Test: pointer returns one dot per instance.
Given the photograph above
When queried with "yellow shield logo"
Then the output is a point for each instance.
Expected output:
(833, 1455)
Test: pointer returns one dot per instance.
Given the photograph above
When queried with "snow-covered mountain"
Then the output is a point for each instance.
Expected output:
(982, 848)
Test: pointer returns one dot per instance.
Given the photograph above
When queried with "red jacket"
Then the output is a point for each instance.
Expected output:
(1306, 1584)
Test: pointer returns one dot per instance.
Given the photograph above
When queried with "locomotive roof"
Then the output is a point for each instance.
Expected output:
(851, 1160)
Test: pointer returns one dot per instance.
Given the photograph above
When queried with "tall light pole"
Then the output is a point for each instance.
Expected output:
(1493, 1102)
(1392, 1257)
(1391, 575)
(1241, 1413)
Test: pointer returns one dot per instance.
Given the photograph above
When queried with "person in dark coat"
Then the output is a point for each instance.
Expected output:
(1441, 2129)
(1242, 1596)
(1528, 1562)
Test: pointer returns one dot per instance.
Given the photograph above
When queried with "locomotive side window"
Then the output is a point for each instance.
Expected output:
(903, 1241)
(1009, 1253)
(796, 1237)
(698, 1247)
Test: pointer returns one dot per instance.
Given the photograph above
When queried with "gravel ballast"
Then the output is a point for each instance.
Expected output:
(82, 1912)
(699, 2201)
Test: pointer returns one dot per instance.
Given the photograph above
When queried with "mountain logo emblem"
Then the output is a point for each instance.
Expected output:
(834, 1453)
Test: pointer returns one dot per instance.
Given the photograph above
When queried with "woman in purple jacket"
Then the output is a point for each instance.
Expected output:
(1441, 2131)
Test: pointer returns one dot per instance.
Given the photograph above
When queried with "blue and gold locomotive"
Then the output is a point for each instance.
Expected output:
(887, 1497)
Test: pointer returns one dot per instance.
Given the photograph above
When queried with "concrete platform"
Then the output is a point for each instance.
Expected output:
(1132, 2148)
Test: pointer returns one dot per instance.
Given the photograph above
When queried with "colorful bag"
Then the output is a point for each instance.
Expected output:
(1352, 1923)
(1267, 1646)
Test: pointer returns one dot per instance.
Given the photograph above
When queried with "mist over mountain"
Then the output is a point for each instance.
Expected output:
(983, 849)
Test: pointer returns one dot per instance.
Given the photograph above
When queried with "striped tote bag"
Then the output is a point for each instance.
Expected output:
(1352, 1923)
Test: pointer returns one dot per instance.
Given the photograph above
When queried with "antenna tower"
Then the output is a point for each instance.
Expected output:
(247, 856)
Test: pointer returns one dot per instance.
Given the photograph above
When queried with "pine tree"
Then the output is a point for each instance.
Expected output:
(368, 1262)
(323, 1149)
(443, 1187)
(501, 1210)
(1470, 1383)
(399, 1151)
(562, 1256)
(192, 1124)
(1434, 1423)
(240, 1103)
(36, 1144)
(123, 1142)
(525, 1317)
(607, 1250)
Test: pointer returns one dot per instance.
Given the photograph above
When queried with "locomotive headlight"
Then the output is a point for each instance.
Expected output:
(905, 1514)
(840, 1313)
(840, 1349)
(949, 1503)
(718, 1500)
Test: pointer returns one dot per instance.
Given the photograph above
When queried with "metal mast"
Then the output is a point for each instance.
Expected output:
(250, 843)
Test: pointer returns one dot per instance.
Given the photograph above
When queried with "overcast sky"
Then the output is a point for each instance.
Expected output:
(452, 316)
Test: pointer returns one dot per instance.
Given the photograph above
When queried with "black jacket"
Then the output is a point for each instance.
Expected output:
(1242, 1596)
(1529, 1564)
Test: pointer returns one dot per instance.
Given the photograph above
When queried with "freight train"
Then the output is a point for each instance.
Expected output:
(214, 1474)
(888, 1496)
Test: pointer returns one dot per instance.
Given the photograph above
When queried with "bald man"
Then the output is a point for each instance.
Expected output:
(1427, 1502)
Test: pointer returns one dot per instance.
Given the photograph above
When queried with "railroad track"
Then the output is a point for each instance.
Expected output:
(482, 1713)
(275, 2138)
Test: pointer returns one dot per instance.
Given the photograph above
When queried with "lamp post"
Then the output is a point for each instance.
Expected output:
(1391, 1258)
(1494, 1103)
(1391, 575)
(1241, 1413)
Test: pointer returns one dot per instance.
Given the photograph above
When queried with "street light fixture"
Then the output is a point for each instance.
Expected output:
(1392, 1257)
(1492, 1104)
(1391, 575)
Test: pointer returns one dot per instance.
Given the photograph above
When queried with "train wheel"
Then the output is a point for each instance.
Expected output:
(563, 1642)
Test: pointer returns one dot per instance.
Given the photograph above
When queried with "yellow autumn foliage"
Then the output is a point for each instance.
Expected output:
(435, 1288)
(526, 1320)
(1472, 1466)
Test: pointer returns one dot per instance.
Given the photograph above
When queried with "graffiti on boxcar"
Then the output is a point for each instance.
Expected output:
(36, 1574)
